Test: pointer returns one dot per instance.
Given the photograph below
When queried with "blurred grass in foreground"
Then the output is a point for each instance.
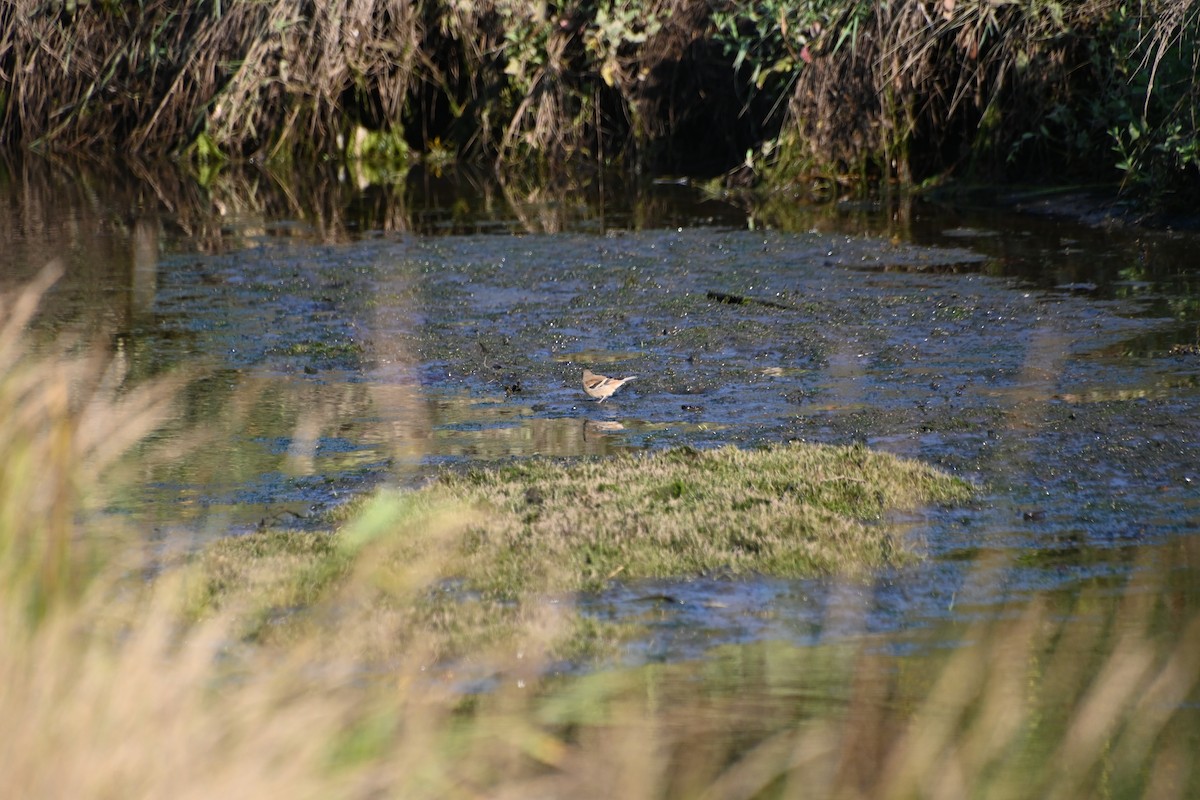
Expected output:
(108, 687)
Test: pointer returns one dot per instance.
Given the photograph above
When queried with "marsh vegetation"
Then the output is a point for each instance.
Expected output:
(530, 594)
(117, 682)
(821, 95)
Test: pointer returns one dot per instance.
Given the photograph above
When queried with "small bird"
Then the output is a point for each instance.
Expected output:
(602, 386)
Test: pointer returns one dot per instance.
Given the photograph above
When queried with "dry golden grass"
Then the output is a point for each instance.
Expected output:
(62, 419)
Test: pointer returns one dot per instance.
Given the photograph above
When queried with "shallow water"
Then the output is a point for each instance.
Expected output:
(1048, 361)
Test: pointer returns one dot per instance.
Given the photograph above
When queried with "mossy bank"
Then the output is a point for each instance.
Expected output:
(485, 538)
(792, 510)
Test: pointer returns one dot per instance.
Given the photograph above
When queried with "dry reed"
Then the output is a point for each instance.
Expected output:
(891, 91)
(253, 79)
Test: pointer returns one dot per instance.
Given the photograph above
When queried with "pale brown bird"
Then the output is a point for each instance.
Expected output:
(602, 386)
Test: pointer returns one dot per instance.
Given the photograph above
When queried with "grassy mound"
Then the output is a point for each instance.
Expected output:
(459, 560)
(793, 510)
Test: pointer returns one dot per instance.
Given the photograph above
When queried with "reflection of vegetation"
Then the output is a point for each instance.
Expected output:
(1064, 696)
(215, 205)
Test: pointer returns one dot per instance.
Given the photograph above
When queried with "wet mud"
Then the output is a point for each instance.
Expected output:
(389, 358)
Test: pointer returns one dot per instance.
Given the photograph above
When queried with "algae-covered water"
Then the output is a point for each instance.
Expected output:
(1051, 363)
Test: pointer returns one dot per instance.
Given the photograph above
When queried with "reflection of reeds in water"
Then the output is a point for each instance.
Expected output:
(94, 214)
(67, 207)
(108, 691)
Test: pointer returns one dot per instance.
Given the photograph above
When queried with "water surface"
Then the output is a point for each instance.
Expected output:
(378, 335)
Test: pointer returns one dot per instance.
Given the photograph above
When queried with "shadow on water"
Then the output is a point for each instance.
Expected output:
(347, 335)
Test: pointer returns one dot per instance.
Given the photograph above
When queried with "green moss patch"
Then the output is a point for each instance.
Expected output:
(264, 576)
(790, 511)
(457, 559)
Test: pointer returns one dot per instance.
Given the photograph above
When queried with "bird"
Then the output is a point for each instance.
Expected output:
(602, 386)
